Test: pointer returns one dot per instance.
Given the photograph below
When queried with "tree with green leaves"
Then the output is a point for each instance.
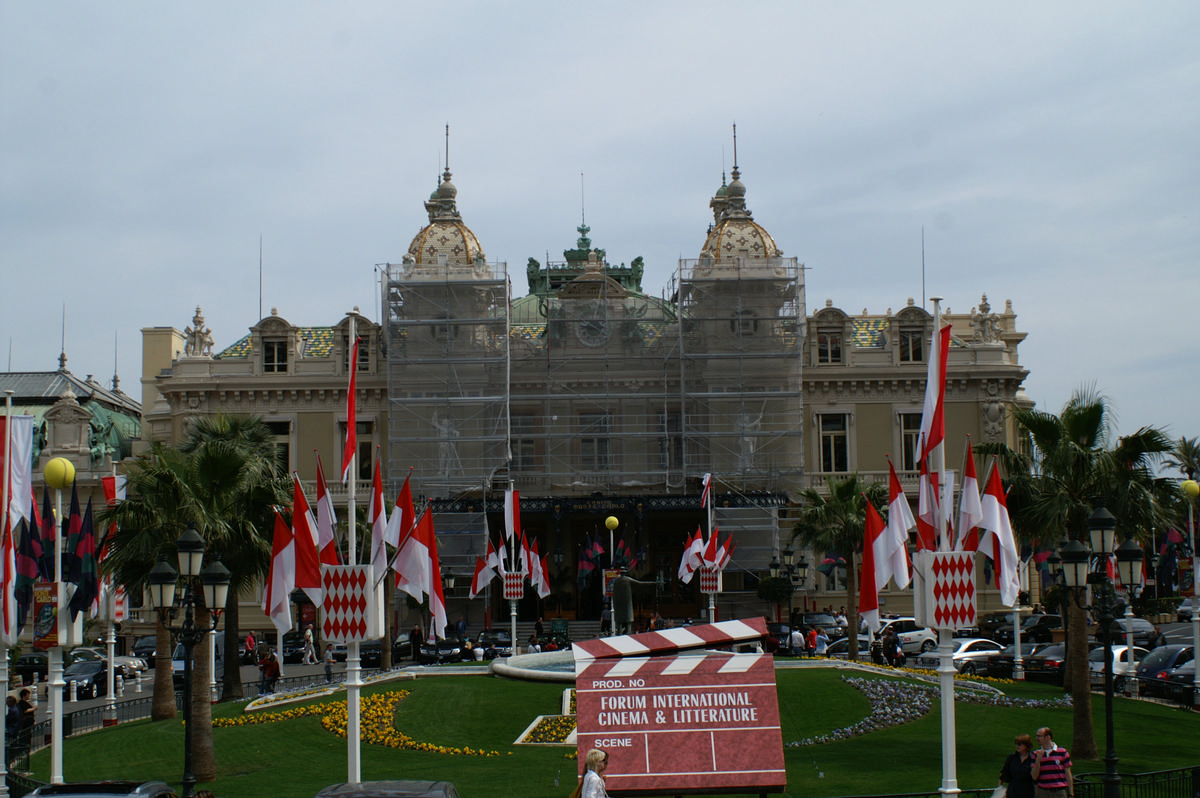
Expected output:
(835, 521)
(1078, 464)
(222, 482)
(1185, 457)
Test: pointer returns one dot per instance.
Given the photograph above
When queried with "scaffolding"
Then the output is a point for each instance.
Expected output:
(447, 374)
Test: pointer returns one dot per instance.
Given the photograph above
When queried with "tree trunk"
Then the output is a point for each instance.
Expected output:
(231, 680)
(204, 760)
(162, 706)
(1083, 744)
(852, 603)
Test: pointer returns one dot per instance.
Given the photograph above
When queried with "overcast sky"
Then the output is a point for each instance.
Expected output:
(1049, 151)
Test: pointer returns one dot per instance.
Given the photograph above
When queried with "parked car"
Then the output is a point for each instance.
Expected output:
(1034, 629)
(913, 638)
(370, 652)
(32, 666)
(178, 657)
(780, 632)
(822, 620)
(108, 789)
(1000, 665)
(1145, 634)
(444, 651)
(1180, 682)
(144, 647)
(1155, 668)
(840, 649)
(1124, 665)
(969, 655)
(1047, 665)
(293, 647)
(80, 654)
(390, 789)
(124, 665)
(497, 641)
(989, 623)
(1183, 613)
(90, 678)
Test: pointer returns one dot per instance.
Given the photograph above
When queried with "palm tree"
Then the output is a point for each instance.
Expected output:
(837, 523)
(1077, 465)
(223, 482)
(1185, 457)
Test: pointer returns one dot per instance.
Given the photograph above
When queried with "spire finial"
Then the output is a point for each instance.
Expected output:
(582, 202)
(735, 172)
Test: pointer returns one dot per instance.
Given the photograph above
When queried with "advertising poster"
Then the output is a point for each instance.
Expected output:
(45, 615)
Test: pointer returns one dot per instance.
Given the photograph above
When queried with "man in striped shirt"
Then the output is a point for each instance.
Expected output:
(1051, 768)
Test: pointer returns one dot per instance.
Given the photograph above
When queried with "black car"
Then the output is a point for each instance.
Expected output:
(1034, 629)
(145, 647)
(1000, 665)
(32, 667)
(370, 652)
(1180, 683)
(1154, 671)
(821, 620)
(390, 789)
(781, 632)
(1145, 634)
(90, 678)
(990, 623)
(444, 651)
(494, 643)
(108, 789)
(1047, 665)
(293, 647)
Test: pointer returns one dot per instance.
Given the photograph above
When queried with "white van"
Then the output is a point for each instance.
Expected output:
(177, 659)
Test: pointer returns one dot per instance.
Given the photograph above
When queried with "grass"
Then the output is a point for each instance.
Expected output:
(295, 758)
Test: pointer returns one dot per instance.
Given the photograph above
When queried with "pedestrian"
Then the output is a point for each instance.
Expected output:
(268, 667)
(414, 641)
(593, 777)
(251, 644)
(12, 720)
(327, 658)
(822, 643)
(796, 641)
(891, 647)
(28, 711)
(310, 648)
(1017, 771)
(460, 628)
(811, 640)
(1051, 768)
(538, 629)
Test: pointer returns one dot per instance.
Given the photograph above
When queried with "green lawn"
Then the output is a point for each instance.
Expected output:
(295, 758)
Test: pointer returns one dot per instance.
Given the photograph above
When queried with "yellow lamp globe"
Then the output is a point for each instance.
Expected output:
(59, 473)
(1191, 488)
(611, 522)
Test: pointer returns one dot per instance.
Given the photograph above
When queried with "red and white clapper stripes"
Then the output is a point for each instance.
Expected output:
(676, 715)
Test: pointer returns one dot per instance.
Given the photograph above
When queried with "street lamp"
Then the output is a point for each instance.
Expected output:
(1077, 574)
(214, 587)
(1191, 489)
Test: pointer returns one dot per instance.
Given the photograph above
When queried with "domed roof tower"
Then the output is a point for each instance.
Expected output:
(445, 239)
(734, 232)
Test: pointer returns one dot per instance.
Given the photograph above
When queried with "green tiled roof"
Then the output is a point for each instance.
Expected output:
(868, 333)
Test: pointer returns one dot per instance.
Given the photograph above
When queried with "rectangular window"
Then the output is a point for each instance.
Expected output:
(595, 441)
(364, 354)
(835, 443)
(910, 440)
(366, 449)
(525, 443)
(670, 441)
(912, 346)
(282, 432)
(829, 347)
(275, 357)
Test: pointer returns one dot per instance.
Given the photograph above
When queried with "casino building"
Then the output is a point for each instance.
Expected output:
(595, 398)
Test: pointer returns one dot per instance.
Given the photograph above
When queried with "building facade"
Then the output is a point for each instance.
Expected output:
(595, 399)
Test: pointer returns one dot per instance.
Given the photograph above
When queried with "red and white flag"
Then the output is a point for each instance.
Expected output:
(933, 439)
(710, 550)
(419, 571)
(693, 556)
(351, 416)
(512, 515)
(404, 517)
(377, 519)
(876, 568)
(706, 492)
(998, 541)
(539, 579)
(281, 580)
(726, 553)
(485, 570)
(970, 508)
(304, 530)
(326, 520)
(113, 602)
(927, 536)
(900, 520)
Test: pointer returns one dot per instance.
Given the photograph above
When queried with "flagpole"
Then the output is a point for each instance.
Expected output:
(353, 662)
(4, 488)
(510, 511)
(110, 641)
(946, 671)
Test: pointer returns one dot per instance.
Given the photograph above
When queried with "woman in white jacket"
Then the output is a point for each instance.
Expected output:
(593, 777)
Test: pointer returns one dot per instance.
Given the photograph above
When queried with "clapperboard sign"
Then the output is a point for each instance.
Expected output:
(676, 716)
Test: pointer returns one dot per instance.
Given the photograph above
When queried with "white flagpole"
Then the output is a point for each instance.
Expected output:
(353, 672)
(4, 482)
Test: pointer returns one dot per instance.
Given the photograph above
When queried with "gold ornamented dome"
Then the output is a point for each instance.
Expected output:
(734, 232)
(445, 239)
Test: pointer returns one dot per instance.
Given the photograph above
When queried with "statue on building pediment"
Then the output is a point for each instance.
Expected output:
(986, 324)
(199, 340)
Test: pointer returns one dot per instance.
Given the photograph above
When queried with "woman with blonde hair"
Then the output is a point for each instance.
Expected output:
(593, 777)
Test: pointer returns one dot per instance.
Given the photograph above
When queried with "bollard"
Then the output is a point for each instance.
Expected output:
(137, 683)
(119, 685)
(72, 690)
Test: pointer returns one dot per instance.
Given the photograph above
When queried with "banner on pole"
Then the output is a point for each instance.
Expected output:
(513, 587)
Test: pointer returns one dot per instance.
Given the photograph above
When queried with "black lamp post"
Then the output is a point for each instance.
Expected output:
(794, 572)
(1077, 574)
(214, 582)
